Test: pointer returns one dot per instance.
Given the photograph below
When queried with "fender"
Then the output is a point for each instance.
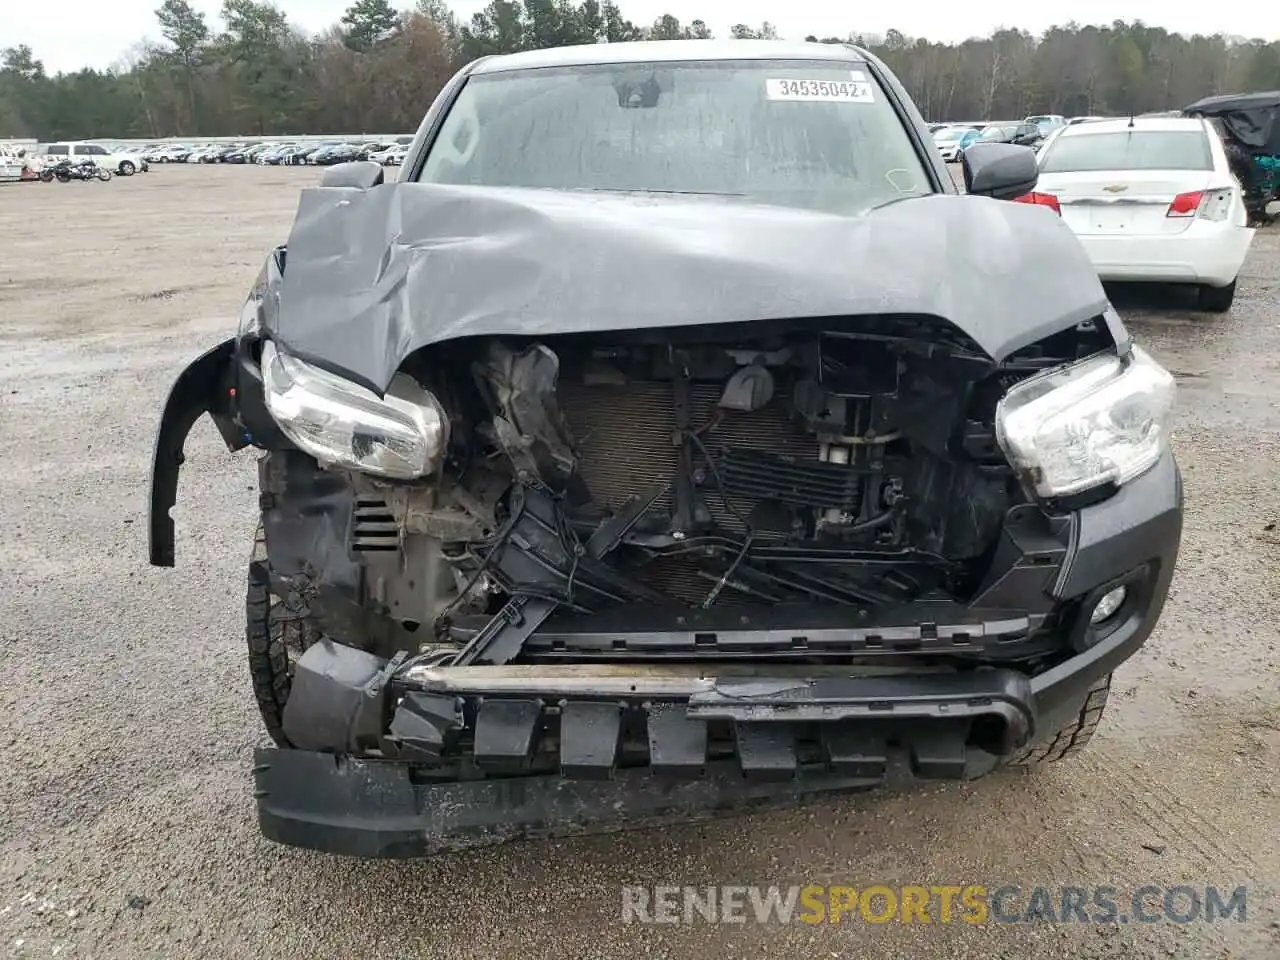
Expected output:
(203, 387)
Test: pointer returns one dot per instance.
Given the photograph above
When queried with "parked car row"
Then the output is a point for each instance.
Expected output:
(952, 139)
(281, 153)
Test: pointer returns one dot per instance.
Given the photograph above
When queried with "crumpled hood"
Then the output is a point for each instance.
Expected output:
(374, 275)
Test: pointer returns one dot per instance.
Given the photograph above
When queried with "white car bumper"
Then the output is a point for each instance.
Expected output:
(1206, 253)
(949, 153)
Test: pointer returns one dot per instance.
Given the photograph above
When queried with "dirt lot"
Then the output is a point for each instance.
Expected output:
(126, 820)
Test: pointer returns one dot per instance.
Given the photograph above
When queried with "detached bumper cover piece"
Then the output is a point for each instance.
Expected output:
(197, 391)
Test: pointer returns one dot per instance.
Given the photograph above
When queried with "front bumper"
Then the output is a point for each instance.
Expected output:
(908, 727)
(631, 746)
(385, 809)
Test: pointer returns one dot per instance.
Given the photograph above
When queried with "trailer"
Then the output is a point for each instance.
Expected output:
(14, 165)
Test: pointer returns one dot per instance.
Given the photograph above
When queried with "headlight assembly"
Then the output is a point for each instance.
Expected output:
(1101, 420)
(402, 435)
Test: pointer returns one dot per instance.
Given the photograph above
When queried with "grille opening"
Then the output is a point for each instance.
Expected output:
(373, 527)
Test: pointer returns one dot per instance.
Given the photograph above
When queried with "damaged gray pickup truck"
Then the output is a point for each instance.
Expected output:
(673, 438)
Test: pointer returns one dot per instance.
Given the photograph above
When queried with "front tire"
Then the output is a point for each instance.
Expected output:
(1075, 736)
(1217, 299)
(127, 169)
(278, 630)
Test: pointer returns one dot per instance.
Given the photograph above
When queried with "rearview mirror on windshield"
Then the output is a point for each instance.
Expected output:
(999, 170)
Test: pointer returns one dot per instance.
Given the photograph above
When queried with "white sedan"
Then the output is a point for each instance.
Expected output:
(951, 141)
(1151, 199)
(392, 156)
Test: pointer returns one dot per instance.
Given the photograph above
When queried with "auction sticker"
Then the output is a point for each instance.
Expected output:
(821, 91)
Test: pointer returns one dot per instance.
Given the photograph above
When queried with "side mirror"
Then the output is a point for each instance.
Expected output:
(999, 170)
(361, 174)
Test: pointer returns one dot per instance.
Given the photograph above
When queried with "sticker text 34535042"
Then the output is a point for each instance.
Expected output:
(823, 91)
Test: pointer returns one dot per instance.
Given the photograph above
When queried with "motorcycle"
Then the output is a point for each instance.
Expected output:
(64, 171)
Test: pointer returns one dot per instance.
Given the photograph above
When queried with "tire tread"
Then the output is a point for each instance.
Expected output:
(1074, 737)
(271, 629)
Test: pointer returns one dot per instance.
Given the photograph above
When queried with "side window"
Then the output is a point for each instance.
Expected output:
(58, 150)
(96, 151)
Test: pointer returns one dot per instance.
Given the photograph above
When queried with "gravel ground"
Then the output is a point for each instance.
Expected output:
(126, 821)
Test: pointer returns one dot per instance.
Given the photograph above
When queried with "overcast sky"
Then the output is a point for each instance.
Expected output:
(76, 33)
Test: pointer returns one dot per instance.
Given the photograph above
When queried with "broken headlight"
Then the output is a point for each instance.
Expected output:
(402, 435)
(1075, 427)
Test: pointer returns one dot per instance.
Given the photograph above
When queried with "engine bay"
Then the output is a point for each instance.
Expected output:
(795, 468)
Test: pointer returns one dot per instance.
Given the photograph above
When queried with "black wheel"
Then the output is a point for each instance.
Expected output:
(1075, 736)
(1217, 299)
(63, 176)
(127, 169)
(46, 176)
(278, 630)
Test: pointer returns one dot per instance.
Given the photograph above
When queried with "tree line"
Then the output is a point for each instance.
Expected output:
(254, 72)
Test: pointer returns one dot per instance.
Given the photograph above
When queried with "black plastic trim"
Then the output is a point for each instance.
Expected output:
(1140, 523)
(199, 389)
(375, 809)
(950, 697)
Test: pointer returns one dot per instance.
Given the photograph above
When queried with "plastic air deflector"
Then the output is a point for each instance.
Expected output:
(589, 733)
(677, 744)
(506, 734)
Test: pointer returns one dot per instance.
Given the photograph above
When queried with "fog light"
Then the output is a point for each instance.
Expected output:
(1108, 605)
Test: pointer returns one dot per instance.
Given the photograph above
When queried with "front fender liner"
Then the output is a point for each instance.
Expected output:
(203, 387)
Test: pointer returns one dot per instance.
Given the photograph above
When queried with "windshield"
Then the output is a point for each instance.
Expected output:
(1129, 150)
(951, 133)
(798, 133)
(997, 133)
